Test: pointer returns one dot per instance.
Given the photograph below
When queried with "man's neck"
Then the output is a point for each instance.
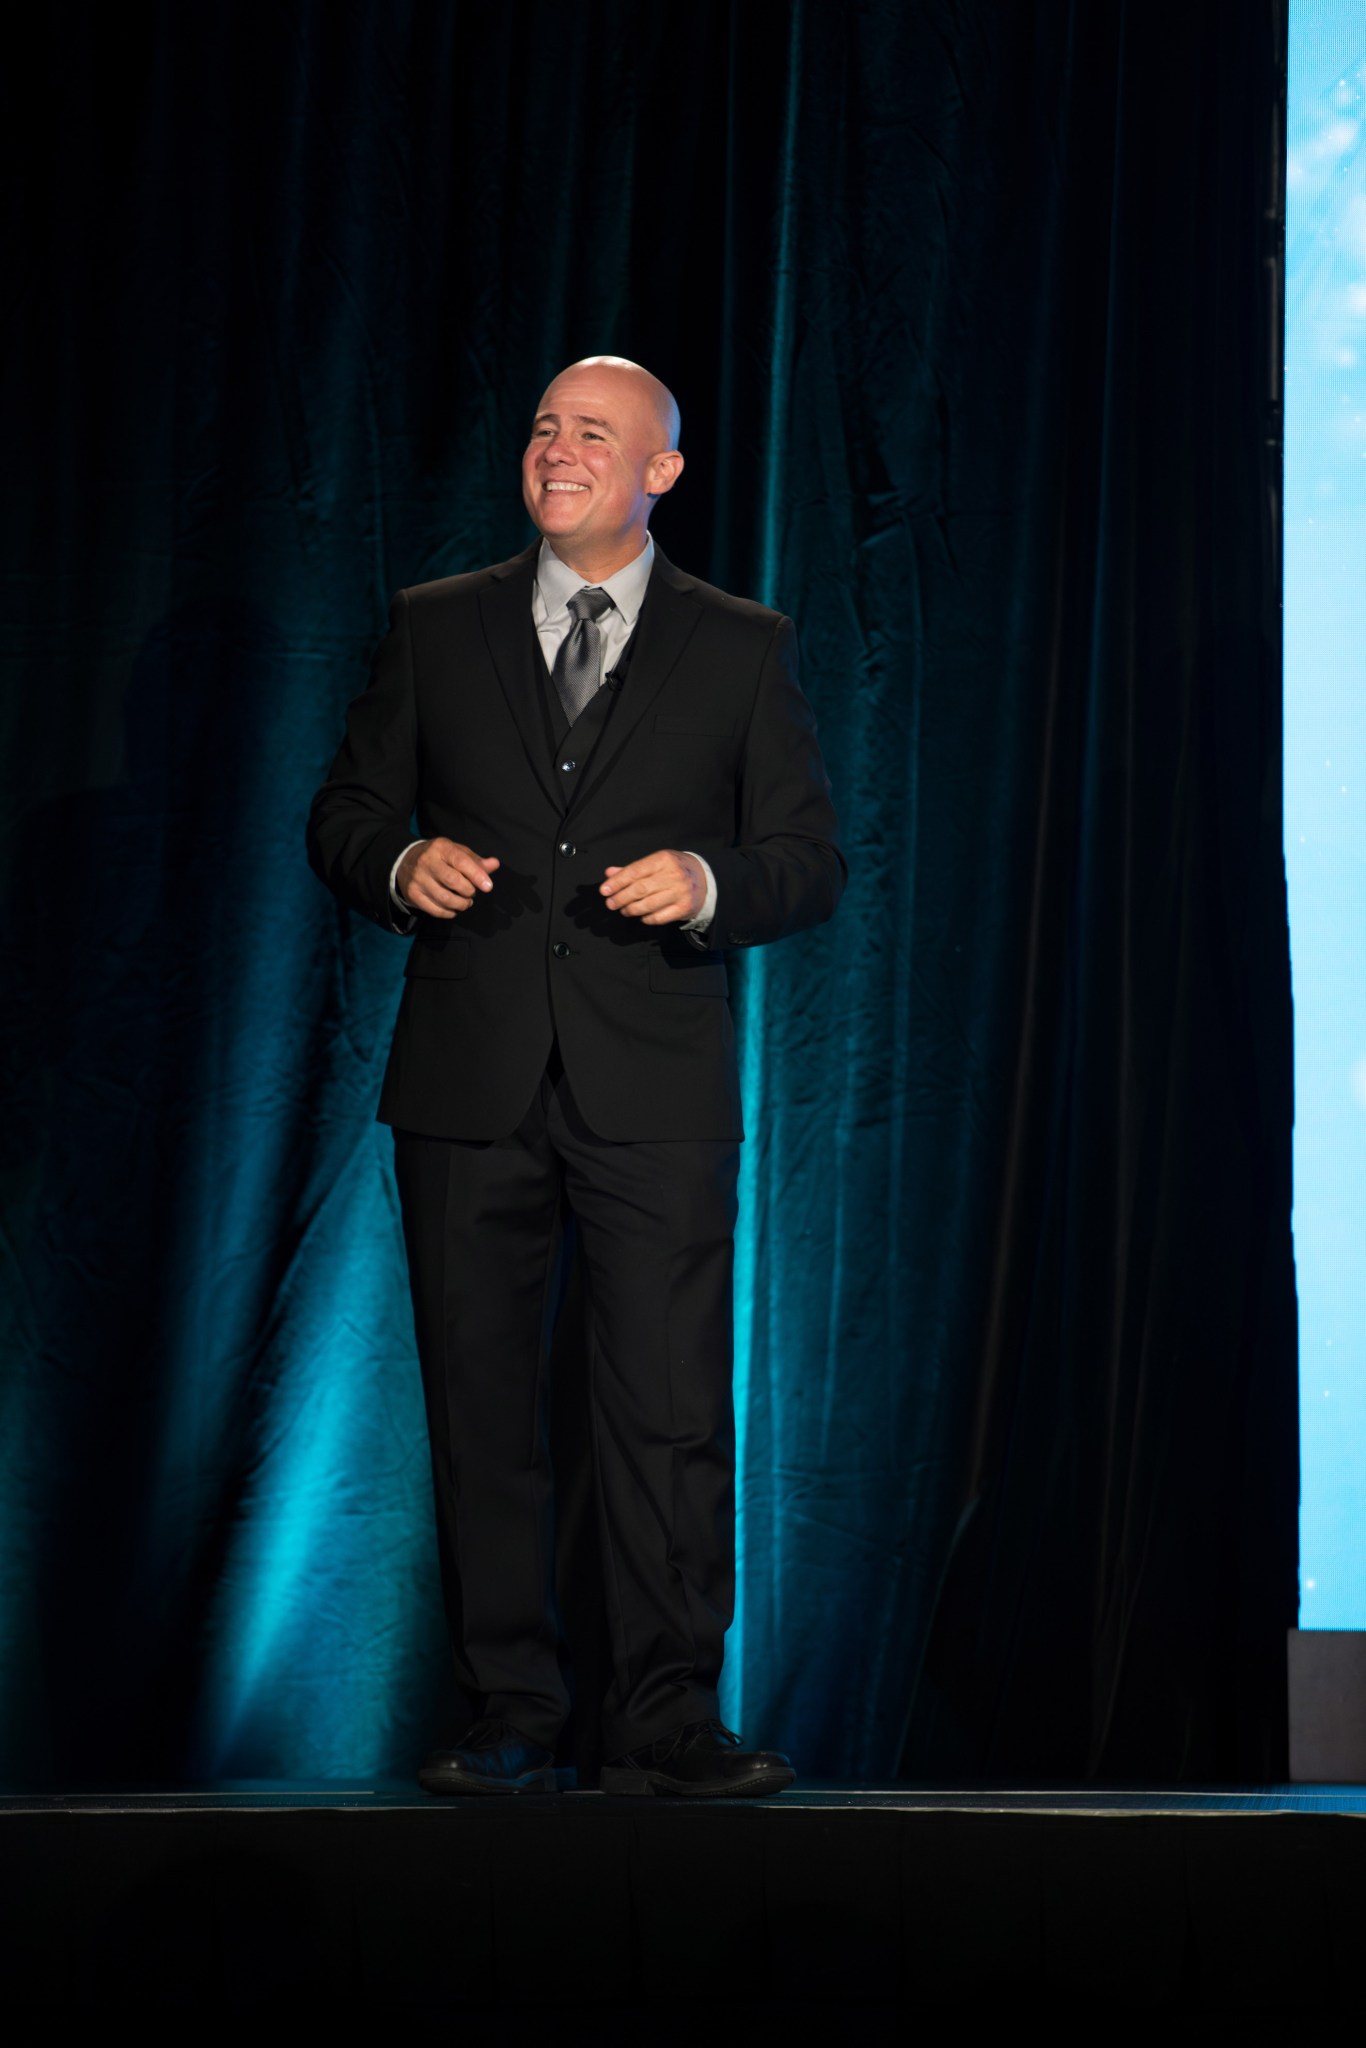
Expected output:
(595, 565)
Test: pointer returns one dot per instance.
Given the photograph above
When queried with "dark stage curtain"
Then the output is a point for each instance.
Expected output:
(971, 311)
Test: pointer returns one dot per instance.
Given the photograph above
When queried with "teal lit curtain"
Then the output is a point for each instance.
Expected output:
(970, 312)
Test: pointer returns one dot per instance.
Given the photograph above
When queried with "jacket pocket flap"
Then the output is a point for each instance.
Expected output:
(700, 976)
(438, 959)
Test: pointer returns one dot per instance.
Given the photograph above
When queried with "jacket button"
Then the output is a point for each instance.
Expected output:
(565, 766)
(560, 950)
(568, 849)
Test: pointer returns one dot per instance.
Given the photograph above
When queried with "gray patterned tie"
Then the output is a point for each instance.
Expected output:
(578, 665)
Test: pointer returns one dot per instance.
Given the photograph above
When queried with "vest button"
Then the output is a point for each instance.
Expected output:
(566, 766)
(560, 950)
(567, 849)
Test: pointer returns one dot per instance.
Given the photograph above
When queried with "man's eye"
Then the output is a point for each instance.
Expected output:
(592, 437)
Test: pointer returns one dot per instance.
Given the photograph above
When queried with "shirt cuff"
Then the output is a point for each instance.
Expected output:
(406, 909)
(697, 925)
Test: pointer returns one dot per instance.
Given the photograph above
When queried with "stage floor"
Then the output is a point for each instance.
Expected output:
(820, 1795)
(853, 1908)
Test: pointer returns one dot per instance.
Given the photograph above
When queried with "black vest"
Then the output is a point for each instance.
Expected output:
(571, 748)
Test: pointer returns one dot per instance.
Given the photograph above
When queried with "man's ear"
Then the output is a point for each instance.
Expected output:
(662, 473)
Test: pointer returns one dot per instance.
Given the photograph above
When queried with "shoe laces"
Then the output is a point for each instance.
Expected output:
(485, 1734)
(683, 1738)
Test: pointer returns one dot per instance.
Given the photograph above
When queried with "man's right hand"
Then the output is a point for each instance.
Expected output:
(441, 876)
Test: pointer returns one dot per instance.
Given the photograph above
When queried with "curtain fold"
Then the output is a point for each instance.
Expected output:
(967, 309)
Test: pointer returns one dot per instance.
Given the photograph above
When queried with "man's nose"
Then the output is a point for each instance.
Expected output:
(556, 449)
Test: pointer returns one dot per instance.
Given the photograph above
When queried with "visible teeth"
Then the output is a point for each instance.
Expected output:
(566, 487)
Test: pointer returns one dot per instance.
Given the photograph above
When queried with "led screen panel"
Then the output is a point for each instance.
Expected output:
(1325, 782)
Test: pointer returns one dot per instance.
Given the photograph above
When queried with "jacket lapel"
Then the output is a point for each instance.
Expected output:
(666, 623)
(505, 609)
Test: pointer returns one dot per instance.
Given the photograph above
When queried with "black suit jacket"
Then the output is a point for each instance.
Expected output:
(709, 745)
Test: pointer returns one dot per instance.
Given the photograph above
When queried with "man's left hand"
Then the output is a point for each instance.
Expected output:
(664, 888)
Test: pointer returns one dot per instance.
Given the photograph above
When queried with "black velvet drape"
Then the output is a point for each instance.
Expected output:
(971, 311)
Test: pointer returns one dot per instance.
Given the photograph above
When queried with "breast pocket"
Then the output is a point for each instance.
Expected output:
(438, 959)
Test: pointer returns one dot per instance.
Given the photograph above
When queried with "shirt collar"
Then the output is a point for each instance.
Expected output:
(556, 583)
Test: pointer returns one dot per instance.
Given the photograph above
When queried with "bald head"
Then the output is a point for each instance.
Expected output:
(603, 449)
(639, 388)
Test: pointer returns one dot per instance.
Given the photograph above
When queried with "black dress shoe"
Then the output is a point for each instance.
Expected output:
(700, 1761)
(493, 1756)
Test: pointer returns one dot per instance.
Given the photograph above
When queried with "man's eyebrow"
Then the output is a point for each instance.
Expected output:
(584, 419)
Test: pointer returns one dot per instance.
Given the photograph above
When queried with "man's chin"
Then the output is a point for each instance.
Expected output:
(556, 523)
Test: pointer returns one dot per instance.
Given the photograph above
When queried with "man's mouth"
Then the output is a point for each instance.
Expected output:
(564, 487)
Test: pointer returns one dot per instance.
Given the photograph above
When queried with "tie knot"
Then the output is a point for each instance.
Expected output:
(590, 602)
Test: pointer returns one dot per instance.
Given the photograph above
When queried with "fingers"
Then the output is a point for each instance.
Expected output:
(445, 877)
(658, 889)
(624, 887)
(453, 866)
(671, 913)
(658, 909)
(646, 896)
(656, 867)
(437, 900)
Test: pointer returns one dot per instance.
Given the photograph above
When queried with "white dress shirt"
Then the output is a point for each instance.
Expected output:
(555, 584)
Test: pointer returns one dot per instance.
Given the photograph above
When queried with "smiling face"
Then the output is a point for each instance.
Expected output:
(601, 451)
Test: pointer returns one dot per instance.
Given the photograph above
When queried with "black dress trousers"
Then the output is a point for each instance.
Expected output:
(483, 1222)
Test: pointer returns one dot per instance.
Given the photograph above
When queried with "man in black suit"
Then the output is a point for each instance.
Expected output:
(616, 778)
